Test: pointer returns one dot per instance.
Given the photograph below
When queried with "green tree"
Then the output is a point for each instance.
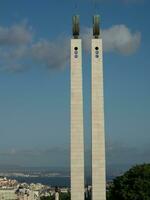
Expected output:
(65, 196)
(133, 185)
(45, 198)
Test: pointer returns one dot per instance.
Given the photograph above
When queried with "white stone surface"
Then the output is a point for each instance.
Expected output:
(56, 196)
(77, 133)
(7, 194)
(98, 138)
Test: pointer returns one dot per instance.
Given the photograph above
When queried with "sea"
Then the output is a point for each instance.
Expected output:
(52, 181)
(49, 181)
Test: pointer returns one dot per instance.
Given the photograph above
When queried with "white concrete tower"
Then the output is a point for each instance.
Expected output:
(98, 137)
(77, 132)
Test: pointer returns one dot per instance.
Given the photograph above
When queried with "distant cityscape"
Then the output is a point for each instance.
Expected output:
(31, 183)
(36, 183)
(11, 189)
(18, 183)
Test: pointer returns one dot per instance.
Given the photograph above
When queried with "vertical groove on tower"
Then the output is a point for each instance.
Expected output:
(77, 132)
(98, 140)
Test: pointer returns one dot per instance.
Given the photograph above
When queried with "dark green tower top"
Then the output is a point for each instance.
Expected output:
(75, 26)
(96, 26)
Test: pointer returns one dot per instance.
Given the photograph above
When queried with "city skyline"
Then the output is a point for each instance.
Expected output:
(34, 92)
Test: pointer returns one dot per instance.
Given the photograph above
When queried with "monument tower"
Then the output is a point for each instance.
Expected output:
(77, 132)
(77, 129)
(98, 138)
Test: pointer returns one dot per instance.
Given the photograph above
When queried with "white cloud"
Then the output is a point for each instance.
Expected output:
(51, 54)
(118, 38)
(15, 35)
(13, 59)
(18, 49)
(15, 42)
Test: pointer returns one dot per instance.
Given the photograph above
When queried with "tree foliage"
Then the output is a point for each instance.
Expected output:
(133, 185)
(65, 196)
(46, 198)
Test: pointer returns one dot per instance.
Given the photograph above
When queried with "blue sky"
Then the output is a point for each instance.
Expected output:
(34, 79)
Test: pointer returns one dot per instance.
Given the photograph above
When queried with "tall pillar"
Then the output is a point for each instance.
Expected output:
(77, 133)
(98, 138)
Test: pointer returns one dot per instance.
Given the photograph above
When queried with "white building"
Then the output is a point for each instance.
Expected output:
(8, 194)
(77, 131)
(97, 100)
